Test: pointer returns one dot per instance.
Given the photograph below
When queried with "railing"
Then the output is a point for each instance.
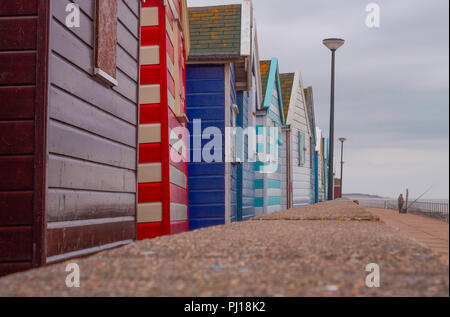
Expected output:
(436, 209)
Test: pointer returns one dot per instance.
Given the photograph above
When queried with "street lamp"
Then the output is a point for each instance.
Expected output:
(342, 162)
(333, 45)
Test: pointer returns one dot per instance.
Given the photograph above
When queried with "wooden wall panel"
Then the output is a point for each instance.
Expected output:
(17, 172)
(17, 102)
(92, 131)
(71, 205)
(206, 180)
(18, 34)
(162, 92)
(23, 73)
(82, 115)
(17, 137)
(16, 208)
(151, 129)
(15, 244)
(76, 174)
(18, 7)
(64, 240)
(17, 68)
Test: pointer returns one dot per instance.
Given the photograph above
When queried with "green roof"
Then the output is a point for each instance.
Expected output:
(264, 70)
(287, 81)
(215, 30)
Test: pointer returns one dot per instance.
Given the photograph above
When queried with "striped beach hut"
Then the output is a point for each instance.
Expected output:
(298, 146)
(162, 170)
(270, 142)
(219, 83)
(309, 102)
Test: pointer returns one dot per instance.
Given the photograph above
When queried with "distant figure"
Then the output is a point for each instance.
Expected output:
(401, 202)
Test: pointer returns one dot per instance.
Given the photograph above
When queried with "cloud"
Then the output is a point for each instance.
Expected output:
(392, 97)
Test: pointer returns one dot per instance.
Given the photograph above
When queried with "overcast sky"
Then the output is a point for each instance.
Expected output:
(392, 89)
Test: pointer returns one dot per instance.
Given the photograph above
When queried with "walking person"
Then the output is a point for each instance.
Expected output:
(401, 202)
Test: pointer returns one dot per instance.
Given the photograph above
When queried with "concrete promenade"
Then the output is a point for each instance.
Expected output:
(430, 232)
(319, 250)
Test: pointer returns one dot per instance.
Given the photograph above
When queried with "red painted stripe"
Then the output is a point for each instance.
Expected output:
(178, 195)
(149, 193)
(149, 153)
(152, 3)
(164, 123)
(147, 231)
(150, 35)
(150, 74)
(179, 227)
(150, 113)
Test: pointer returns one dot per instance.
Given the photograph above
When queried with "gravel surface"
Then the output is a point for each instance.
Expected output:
(338, 210)
(253, 259)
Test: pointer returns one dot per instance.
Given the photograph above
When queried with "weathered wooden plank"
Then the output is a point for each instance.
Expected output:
(66, 44)
(86, 30)
(71, 205)
(68, 141)
(18, 33)
(72, 48)
(18, 7)
(75, 174)
(17, 102)
(127, 87)
(17, 173)
(72, 238)
(16, 137)
(16, 208)
(67, 108)
(127, 64)
(127, 17)
(127, 41)
(134, 5)
(17, 68)
(15, 244)
(87, 6)
(81, 85)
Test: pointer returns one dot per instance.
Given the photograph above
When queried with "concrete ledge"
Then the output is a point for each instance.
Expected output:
(328, 211)
(251, 259)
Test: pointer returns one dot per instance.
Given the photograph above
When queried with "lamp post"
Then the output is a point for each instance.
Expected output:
(333, 44)
(342, 162)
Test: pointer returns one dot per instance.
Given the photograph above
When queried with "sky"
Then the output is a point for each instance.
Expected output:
(392, 85)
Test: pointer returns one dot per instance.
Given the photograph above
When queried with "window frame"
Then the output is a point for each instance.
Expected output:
(109, 76)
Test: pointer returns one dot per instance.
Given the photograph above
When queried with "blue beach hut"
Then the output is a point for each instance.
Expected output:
(221, 92)
(271, 143)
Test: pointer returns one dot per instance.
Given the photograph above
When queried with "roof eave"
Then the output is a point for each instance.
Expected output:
(202, 57)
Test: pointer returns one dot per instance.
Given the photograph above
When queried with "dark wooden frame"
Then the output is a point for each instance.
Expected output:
(40, 158)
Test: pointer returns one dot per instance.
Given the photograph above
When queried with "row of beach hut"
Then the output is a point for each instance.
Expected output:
(146, 118)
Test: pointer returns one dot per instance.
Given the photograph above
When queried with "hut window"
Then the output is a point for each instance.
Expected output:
(106, 41)
(301, 148)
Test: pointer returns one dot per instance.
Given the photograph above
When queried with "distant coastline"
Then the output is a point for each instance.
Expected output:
(367, 196)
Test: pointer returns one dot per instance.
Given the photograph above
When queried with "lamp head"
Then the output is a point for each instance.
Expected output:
(342, 140)
(333, 44)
